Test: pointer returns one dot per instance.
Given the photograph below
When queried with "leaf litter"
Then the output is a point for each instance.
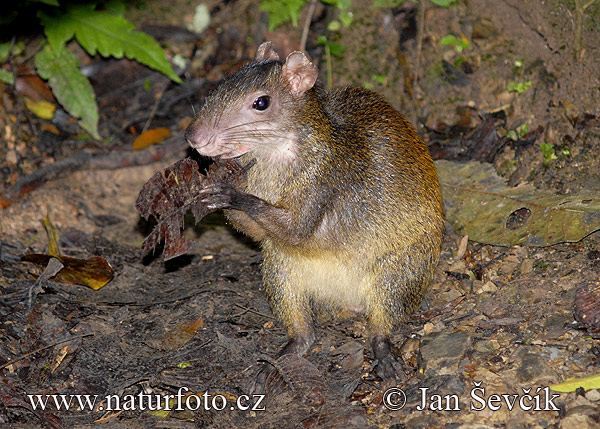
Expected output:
(532, 293)
(94, 272)
(479, 204)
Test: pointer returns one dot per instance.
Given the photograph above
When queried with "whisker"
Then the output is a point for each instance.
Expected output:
(241, 125)
(255, 134)
(252, 131)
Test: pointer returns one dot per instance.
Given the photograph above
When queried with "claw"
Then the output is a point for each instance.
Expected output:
(216, 196)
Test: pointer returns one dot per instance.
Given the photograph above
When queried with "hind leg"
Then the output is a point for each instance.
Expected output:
(301, 336)
(397, 288)
(291, 307)
(290, 304)
(386, 365)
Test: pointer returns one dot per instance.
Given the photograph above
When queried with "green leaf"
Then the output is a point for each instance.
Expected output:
(572, 384)
(102, 32)
(6, 77)
(519, 87)
(336, 49)
(282, 11)
(459, 61)
(17, 49)
(70, 87)
(380, 4)
(523, 129)
(116, 7)
(379, 78)
(444, 3)
(340, 4)
(548, 152)
(343, 4)
(480, 205)
(334, 26)
(48, 2)
(57, 31)
(4, 51)
(346, 18)
(459, 44)
(449, 40)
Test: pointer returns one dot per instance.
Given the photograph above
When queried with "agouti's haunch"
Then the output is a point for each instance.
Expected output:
(343, 197)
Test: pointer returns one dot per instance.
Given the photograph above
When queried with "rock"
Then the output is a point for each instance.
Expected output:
(483, 29)
(526, 266)
(593, 395)
(578, 421)
(442, 351)
(487, 287)
(533, 368)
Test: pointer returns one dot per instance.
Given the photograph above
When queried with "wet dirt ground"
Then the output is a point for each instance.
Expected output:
(495, 318)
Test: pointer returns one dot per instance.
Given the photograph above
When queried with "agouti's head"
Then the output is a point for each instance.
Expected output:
(257, 109)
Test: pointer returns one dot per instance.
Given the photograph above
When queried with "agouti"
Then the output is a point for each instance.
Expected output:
(343, 196)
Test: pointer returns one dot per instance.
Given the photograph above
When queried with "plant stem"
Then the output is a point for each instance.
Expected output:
(420, 33)
(309, 17)
(329, 66)
(580, 8)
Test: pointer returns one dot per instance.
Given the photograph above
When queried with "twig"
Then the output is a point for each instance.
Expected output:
(53, 267)
(91, 161)
(579, 11)
(26, 355)
(155, 107)
(420, 32)
(249, 310)
(309, 17)
(13, 70)
(329, 66)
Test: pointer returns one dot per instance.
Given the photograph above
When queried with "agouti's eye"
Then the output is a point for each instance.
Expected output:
(262, 103)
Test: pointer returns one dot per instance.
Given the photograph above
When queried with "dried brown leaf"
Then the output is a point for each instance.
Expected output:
(150, 137)
(94, 272)
(586, 308)
(52, 233)
(170, 194)
(299, 378)
(179, 336)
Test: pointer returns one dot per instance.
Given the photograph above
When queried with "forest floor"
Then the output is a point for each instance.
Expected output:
(498, 318)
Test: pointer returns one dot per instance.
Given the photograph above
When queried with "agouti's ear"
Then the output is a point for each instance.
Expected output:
(266, 52)
(299, 72)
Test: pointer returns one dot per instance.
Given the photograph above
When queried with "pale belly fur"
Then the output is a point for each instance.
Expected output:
(331, 280)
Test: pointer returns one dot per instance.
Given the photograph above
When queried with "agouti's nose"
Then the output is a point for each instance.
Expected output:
(195, 137)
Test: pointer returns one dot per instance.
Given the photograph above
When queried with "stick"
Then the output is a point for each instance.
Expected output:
(90, 161)
(420, 32)
(309, 17)
(26, 355)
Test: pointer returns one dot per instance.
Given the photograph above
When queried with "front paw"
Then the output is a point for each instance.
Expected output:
(219, 196)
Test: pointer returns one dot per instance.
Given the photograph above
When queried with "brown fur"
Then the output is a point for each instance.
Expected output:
(344, 197)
